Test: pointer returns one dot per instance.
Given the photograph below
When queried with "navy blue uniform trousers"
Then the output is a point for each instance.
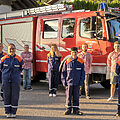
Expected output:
(1, 85)
(53, 80)
(72, 94)
(11, 96)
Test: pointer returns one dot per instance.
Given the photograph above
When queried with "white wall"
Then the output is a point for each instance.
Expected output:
(5, 8)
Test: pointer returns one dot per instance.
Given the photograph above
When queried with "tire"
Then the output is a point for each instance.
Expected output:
(106, 84)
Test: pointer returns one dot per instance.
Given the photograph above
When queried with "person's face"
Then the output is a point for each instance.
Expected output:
(84, 48)
(116, 47)
(53, 48)
(74, 54)
(26, 48)
(11, 50)
(1, 47)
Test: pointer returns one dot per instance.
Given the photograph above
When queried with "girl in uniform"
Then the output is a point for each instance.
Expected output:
(53, 60)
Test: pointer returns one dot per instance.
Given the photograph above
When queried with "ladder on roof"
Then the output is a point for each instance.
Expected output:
(34, 11)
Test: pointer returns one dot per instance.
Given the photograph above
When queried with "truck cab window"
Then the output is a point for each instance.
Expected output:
(50, 30)
(113, 30)
(89, 26)
(68, 28)
(85, 28)
(99, 29)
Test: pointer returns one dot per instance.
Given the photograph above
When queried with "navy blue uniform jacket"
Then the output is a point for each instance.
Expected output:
(73, 72)
(53, 62)
(11, 68)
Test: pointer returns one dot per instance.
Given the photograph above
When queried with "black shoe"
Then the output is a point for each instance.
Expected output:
(117, 114)
(77, 112)
(29, 88)
(24, 88)
(67, 112)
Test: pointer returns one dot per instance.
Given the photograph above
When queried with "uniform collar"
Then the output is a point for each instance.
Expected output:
(11, 56)
(73, 59)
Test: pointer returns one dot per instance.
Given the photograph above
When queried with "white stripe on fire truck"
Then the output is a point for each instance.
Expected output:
(98, 63)
(41, 60)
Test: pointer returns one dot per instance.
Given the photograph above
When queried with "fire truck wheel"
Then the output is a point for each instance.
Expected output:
(106, 84)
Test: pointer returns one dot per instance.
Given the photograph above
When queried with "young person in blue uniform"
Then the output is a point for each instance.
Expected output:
(53, 60)
(1, 55)
(72, 77)
(11, 66)
(118, 73)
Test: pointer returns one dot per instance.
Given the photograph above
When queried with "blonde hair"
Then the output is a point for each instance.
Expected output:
(116, 42)
(57, 53)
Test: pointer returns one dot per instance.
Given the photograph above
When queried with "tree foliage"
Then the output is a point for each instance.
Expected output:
(88, 4)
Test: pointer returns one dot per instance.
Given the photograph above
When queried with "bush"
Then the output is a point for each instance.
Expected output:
(89, 4)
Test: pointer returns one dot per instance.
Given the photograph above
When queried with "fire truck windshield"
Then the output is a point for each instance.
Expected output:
(114, 29)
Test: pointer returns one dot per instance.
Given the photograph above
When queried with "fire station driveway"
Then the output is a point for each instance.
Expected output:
(36, 105)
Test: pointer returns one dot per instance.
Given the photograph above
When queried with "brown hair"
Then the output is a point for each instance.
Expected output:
(11, 44)
(85, 44)
(26, 45)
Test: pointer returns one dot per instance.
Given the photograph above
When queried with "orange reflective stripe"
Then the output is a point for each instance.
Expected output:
(80, 60)
(4, 53)
(68, 60)
(118, 63)
(19, 58)
(3, 58)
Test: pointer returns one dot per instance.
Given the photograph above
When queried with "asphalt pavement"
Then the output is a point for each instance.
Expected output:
(37, 105)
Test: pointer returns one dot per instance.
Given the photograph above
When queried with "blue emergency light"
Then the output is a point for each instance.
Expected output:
(102, 6)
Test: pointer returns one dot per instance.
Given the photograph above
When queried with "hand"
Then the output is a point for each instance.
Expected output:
(66, 87)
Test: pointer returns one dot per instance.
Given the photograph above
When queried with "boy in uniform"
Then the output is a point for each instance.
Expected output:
(72, 77)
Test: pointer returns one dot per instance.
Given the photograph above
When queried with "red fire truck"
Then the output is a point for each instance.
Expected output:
(39, 27)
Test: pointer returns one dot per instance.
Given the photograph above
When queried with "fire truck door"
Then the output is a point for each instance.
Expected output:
(90, 30)
(49, 35)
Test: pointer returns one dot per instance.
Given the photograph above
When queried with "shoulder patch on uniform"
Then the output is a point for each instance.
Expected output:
(68, 60)
(80, 60)
(118, 62)
(19, 58)
(4, 57)
(49, 54)
(4, 53)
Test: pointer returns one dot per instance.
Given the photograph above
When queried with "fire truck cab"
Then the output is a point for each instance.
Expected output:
(99, 29)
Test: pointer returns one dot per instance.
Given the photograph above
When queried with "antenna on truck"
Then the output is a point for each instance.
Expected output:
(39, 10)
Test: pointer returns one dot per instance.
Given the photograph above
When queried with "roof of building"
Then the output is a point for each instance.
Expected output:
(20, 4)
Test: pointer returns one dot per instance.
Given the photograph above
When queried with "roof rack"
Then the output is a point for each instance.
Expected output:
(34, 11)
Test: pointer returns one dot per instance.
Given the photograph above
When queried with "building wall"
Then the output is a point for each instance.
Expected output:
(5, 8)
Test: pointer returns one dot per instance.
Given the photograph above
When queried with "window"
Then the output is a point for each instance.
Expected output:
(99, 29)
(50, 29)
(85, 28)
(88, 27)
(114, 30)
(68, 28)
